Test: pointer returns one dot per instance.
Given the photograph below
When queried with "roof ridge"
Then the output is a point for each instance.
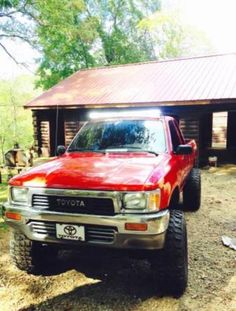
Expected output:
(155, 61)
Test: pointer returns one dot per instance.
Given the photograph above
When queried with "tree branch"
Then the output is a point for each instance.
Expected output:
(24, 11)
(14, 59)
(18, 37)
(9, 54)
(9, 14)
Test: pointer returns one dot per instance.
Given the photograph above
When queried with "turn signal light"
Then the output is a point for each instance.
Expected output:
(136, 226)
(14, 216)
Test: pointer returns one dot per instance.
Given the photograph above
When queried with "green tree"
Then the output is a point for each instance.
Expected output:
(78, 34)
(16, 122)
(82, 34)
(172, 37)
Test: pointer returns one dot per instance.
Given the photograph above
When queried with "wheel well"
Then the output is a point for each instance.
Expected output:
(174, 200)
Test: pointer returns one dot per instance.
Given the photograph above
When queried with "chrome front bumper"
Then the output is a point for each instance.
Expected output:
(105, 231)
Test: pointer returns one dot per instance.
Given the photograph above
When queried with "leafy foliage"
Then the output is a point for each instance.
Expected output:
(172, 37)
(16, 123)
(3, 193)
(82, 34)
(77, 34)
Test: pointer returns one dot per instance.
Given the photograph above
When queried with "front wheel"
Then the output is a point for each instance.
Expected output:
(170, 265)
(27, 255)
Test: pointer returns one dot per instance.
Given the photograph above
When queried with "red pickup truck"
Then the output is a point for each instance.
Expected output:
(117, 185)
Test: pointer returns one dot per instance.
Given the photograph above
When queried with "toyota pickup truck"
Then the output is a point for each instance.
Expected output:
(118, 186)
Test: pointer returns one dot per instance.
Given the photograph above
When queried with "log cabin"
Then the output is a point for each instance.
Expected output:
(199, 91)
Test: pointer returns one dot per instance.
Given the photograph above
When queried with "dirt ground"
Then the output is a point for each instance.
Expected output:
(124, 284)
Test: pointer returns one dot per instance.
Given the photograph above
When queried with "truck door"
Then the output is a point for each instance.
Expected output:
(181, 162)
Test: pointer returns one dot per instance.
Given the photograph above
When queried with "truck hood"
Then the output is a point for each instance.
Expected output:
(96, 171)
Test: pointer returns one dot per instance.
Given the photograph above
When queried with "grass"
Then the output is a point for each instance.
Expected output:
(3, 192)
(3, 227)
(3, 188)
(3, 198)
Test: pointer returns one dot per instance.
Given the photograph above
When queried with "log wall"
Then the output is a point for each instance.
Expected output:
(71, 129)
(45, 138)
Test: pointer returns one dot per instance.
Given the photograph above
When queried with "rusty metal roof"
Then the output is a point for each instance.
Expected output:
(170, 82)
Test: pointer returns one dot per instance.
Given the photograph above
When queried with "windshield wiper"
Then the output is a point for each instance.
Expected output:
(85, 150)
(124, 148)
(136, 148)
(150, 151)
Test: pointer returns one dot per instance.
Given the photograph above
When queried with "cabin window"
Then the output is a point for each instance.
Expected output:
(219, 130)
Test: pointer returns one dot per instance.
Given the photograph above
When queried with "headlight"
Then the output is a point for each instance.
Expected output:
(19, 194)
(142, 200)
(135, 200)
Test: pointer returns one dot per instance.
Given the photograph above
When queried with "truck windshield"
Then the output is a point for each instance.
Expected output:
(121, 135)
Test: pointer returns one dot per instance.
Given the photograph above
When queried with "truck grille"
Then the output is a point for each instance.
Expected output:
(75, 205)
(93, 233)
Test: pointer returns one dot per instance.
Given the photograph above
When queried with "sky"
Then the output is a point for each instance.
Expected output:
(23, 53)
(215, 18)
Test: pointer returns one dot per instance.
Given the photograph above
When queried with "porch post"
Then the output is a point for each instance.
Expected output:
(231, 130)
(205, 137)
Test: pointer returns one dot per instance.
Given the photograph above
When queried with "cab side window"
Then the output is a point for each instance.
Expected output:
(175, 134)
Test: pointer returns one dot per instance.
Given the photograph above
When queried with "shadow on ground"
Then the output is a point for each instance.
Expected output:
(116, 282)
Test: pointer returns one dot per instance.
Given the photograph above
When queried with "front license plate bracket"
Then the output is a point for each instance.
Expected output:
(70, 232)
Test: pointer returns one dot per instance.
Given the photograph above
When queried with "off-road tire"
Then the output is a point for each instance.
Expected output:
(27, 255)
(192, 191)
(170, 265)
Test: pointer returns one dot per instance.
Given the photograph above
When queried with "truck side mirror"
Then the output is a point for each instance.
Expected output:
(184, 150)
(61, 150)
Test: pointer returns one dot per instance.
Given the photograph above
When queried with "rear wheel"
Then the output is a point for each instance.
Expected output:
(29, 256)
(192, 191)
(170, 265)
